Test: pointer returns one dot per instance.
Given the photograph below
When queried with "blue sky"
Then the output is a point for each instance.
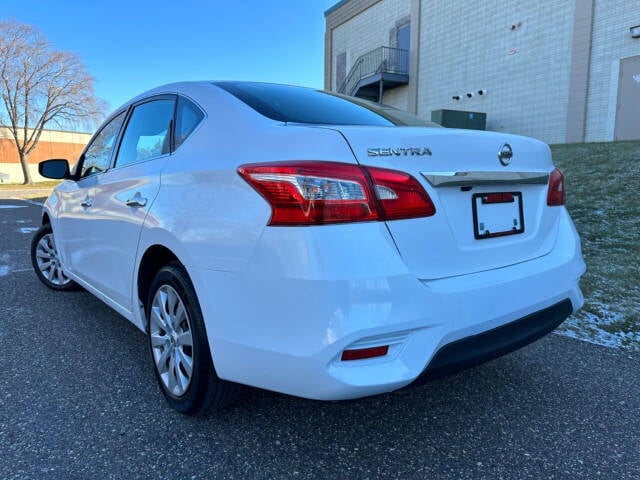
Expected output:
(131, 46)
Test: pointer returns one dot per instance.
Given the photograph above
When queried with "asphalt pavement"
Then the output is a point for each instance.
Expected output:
(78, 400)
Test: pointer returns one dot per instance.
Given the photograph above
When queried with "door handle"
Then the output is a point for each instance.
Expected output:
(87, 202)
(136, 201)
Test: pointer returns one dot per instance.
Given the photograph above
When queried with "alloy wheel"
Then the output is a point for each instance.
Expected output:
(171, 340)
(48, 261)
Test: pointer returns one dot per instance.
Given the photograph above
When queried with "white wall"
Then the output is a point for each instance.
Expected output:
(611, 42)
(465, 46)
(397, 97)
(14, 170)
(365, 32)
(50, 136)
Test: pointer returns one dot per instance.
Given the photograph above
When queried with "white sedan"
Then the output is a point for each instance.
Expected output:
(309, 243)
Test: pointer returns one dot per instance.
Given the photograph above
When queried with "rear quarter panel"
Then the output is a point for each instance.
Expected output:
(213, 214)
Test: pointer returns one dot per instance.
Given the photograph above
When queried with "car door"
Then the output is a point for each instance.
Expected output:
(74, 197)
(122, 196)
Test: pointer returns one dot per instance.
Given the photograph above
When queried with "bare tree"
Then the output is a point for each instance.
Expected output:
(40, 85)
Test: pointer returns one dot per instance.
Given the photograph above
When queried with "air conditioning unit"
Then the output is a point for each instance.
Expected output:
(460, 119)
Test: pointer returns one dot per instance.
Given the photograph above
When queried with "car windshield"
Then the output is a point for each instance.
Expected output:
(291, 104)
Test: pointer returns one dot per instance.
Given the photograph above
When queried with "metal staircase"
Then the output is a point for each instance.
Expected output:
(375, 72)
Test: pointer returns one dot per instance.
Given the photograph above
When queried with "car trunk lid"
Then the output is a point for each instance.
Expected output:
(491, 212)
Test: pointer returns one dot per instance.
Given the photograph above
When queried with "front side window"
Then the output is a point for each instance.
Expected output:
(97, 157)
(188, 116)
(148, 133)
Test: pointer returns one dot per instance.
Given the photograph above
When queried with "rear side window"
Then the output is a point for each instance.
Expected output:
(286, 103)
(147, 134)
(188, 116)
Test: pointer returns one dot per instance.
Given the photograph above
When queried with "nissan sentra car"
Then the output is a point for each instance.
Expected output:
(309, 243)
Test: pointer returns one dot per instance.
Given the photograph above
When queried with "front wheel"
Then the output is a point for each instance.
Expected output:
(179, 347)
(46, 260)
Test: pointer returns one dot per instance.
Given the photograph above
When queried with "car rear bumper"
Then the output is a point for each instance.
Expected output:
(482, 347)
(287, 333)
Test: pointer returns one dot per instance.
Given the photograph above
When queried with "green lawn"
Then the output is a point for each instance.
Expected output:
(603, 198)
(19, 186)
(36, 192)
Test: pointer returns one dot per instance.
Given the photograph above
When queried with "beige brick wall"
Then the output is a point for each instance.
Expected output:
(367, 31)
(12, 173)
(466, 47)
(611, 42)
(51, 136)
(397, 97)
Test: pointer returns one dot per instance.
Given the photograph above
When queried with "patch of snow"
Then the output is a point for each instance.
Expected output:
(28, 229)
(21, 222)
(599, 337)
(22, 270)
(587, 326)
(4, 269)
(609, 315)
(32, 202)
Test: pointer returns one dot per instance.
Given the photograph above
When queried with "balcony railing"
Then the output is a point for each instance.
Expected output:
(379, 61)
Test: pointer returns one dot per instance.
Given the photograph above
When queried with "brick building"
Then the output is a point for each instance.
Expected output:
(559, 70)
(52, 144)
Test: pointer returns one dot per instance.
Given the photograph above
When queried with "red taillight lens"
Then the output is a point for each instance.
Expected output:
(303, 193)
(315, 193)
(557, 190)
(400, 195)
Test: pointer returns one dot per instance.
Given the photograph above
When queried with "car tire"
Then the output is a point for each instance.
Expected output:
(179, 347)
(46, 261)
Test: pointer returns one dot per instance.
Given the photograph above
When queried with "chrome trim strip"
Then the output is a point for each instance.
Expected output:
(465, 179)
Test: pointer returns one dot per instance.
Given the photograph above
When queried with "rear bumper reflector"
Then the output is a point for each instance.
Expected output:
(362, 353)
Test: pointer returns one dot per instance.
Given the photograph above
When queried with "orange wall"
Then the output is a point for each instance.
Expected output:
(43, 151)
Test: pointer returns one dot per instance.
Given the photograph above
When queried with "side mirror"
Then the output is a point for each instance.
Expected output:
(57, 169)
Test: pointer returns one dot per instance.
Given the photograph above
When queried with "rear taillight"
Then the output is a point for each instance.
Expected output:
(314, 193)
(400, 195)
(556, 192)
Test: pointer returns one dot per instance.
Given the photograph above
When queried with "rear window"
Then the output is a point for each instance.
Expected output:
(286, 103)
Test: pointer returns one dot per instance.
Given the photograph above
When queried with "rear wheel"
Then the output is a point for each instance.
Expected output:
(179, 347)
(46, 260)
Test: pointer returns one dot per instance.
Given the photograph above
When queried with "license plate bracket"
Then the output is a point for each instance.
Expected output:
(497, 214)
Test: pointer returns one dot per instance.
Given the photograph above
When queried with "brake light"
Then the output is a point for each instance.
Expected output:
(556, 193)
(400, 195)
(315, 193)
